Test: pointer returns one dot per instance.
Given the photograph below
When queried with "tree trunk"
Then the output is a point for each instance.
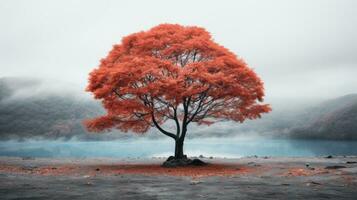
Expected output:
(179, 143)
(179, 149)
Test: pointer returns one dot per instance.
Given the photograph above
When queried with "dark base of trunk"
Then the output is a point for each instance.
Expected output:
(184, 161)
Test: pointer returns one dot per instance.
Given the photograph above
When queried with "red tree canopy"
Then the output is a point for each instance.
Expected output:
(173, 72)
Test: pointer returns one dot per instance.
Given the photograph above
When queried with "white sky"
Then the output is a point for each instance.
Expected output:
(299, 48)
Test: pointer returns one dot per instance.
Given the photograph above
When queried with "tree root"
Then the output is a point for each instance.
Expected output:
(181, 162)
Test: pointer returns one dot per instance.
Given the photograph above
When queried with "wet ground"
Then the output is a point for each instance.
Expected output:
(245, 178)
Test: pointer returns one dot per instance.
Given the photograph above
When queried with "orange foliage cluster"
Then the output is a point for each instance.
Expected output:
(173, 72)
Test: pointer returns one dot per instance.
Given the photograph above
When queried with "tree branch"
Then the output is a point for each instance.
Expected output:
(161, 129)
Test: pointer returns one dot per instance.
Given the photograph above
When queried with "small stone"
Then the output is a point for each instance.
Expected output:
(329, 156)
(335, 167)
(28, 158)
(195, 182)
(253, 164)
(89, 183)
(351, 162)
(197, 162)
(315, 183)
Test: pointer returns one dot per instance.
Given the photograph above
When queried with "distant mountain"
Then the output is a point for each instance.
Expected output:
(31, 109)
(333, 119)
(27, 113)
(9, 85)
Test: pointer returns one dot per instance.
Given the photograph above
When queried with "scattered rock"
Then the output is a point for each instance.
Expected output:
(335, 167)
(351, 162)
(97, 169)
(285, 184)
(89, 183)
(265, 157)
(29, 167)
(315, 183)
(28, 158)
(308, 166)
(253, 164)
(265, 177)
(329, 156)
(54, 168)
(197, 162)
(195, 182)
(210, 157)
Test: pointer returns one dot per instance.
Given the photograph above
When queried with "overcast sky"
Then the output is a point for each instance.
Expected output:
(299, 48)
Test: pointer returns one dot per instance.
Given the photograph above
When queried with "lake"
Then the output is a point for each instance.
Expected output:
(144, 148)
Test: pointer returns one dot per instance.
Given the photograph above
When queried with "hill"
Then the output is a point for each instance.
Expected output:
(333, 119)
(28, 111)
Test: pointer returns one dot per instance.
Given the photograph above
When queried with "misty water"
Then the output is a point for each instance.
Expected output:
(143, 148)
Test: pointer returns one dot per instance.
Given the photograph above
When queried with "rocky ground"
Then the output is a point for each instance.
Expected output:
(245, 178)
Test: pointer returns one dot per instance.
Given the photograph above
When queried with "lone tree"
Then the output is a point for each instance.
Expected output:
(173, 72)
